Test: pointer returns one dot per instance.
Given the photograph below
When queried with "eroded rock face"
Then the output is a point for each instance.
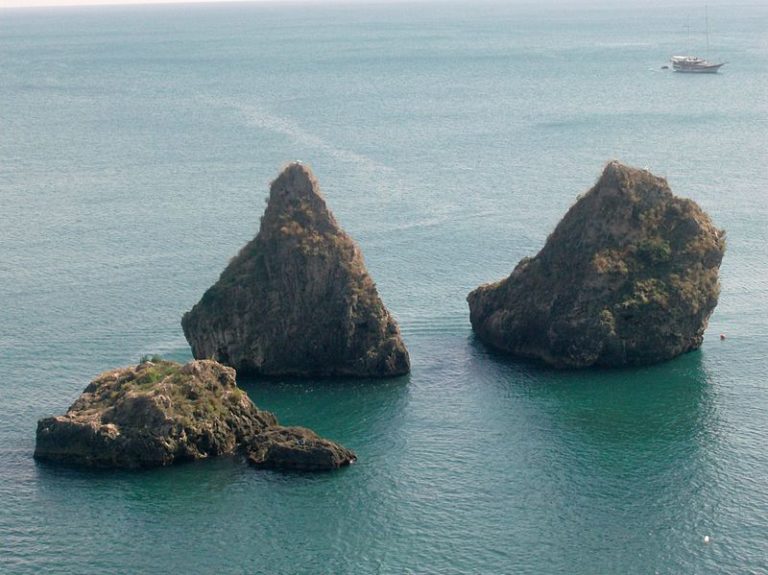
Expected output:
(296, 448)
(155, 414)
(629, 276)
(297, 300)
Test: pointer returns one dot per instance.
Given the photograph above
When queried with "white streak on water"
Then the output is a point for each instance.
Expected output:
(374, 173)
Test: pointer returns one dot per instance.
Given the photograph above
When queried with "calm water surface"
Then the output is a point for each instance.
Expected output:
(136, 148)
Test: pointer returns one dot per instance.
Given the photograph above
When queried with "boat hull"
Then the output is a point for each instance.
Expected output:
(707, 69)
(694, 65)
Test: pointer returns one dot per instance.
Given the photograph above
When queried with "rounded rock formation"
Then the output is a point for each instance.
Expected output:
(297, 300)
(296, 448)
(628, 277)
(158, 413)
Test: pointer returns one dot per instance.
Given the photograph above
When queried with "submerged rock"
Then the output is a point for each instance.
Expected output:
(296, 448)
(155, 414)
(629, 276)
(297, 300)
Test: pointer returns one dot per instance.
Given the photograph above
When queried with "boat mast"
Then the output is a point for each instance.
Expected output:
(706, 21)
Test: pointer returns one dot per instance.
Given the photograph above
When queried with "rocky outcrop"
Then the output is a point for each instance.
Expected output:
(297, 300)
(629, 276)
(296, 448)
(160, 412)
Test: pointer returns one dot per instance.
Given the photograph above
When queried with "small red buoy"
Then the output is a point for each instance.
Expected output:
(722, 336)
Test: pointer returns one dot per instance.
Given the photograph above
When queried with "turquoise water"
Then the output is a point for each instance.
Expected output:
(136, 148)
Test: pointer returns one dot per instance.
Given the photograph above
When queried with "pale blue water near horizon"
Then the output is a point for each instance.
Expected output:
(136, 149)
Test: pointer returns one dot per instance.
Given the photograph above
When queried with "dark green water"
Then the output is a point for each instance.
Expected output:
(136, 147)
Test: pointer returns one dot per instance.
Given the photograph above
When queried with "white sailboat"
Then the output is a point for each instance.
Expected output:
(696, 64)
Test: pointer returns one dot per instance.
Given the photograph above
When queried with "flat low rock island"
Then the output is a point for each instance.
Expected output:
(160, 412)
(297, 300)
(628, 277)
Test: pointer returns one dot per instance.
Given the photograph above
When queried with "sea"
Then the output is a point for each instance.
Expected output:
(137, 144)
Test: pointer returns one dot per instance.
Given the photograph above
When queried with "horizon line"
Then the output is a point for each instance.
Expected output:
(25, 4)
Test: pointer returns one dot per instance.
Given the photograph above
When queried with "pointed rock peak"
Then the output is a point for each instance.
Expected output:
(615, 170)
(628, 179)
(297, 300)
(296, 181)
(295, 201)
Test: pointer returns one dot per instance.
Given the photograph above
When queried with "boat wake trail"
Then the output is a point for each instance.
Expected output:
(259, 118)
(370, 172)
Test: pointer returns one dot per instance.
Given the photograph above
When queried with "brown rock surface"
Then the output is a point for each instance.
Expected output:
(296, 448)
(629, 276)
(155, 414)
(297, 300)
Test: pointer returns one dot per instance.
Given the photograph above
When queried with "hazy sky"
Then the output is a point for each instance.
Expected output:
(36, 3)
(32, 3)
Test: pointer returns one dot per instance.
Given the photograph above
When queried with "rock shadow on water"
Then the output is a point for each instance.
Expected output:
(675, 398)
(627, 458)
(642, 421)
(329, 404)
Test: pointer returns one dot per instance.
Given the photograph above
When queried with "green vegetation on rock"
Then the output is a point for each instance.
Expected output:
(629, 276)
(297, 300)
(159, 412)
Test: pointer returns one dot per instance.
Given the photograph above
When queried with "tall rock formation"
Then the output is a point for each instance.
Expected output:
(297, 300)
(629, 276)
